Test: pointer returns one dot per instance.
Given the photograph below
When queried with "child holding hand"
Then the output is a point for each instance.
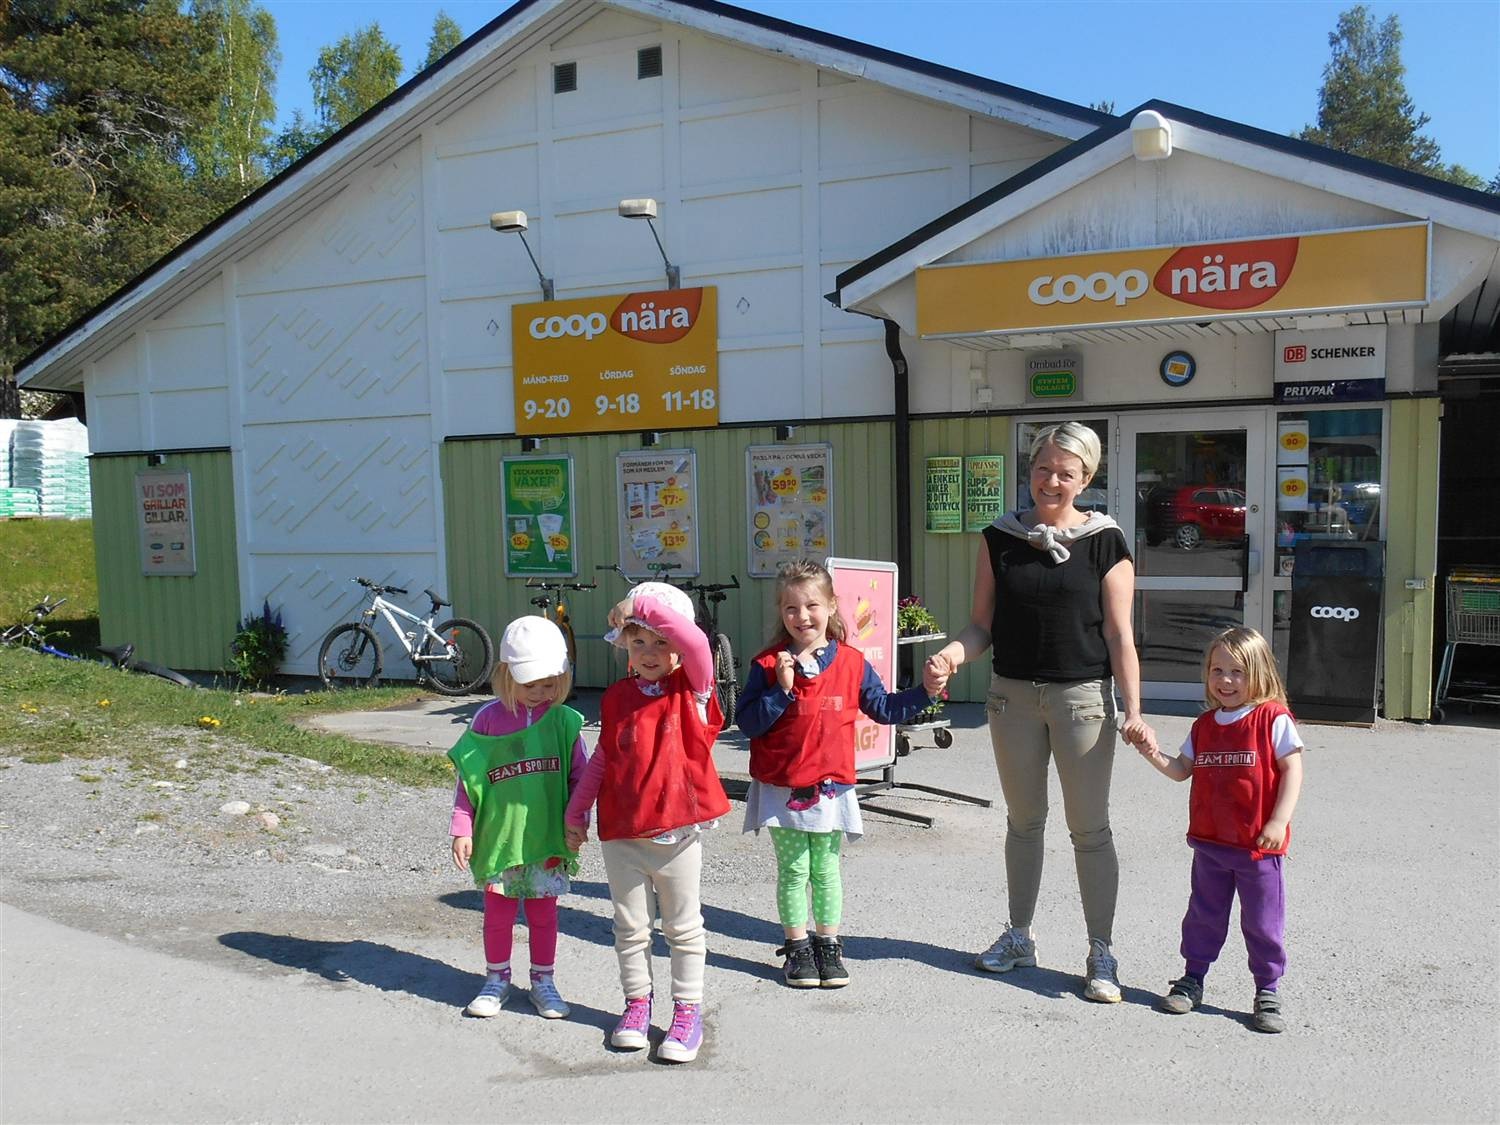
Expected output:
(516, 764)
(801, 700)
(1245, 760)
(654, 779)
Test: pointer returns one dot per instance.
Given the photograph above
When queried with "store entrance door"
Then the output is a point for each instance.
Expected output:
(1191, 502)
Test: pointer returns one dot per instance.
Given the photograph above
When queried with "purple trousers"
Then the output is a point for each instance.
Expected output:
(1218, 872)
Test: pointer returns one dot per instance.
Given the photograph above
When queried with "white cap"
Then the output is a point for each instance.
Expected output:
(533, 648)
(670, 596)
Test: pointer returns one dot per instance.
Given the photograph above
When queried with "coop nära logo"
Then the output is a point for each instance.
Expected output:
(651, 318)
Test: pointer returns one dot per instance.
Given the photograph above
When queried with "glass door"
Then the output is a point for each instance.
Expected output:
(1191, 501)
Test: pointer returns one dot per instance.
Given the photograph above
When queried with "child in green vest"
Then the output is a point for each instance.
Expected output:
(516, 764)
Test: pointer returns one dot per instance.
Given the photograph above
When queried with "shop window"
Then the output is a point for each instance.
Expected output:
(1094, 498)
(1328, 476)
(564, 77)
(648, 62)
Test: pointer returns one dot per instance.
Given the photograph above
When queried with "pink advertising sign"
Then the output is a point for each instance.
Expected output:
(866, 593)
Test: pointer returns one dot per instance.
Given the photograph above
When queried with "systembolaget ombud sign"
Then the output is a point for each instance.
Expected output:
(1380, 267)
(644, 361)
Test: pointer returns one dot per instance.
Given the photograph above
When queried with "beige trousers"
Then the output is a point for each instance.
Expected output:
(641, 876)
(1073, 724)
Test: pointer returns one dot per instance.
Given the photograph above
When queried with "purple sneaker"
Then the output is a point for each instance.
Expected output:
(630, 1033)
(686, 1034)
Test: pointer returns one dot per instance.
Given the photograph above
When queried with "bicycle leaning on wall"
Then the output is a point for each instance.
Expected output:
(453, 658)
(554, 608)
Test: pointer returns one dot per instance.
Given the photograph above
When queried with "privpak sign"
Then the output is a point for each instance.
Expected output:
(1338, 365)
(641, 361)
(1380, 267)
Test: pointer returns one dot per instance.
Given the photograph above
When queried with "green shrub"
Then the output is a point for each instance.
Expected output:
(258, 647)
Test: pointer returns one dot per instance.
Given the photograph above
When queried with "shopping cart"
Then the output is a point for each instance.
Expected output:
(1473, 619)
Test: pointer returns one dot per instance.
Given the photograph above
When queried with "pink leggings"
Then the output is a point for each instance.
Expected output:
(500, 920)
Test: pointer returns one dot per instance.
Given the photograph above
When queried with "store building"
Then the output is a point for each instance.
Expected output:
(355, 371)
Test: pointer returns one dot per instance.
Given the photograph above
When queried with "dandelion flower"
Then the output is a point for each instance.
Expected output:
(30, 708)
(103, 703)
(208, 722)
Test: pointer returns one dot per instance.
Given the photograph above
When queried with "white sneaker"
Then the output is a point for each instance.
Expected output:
(1101, 979)
(1012, 949)
(491, 997)
(544, 998)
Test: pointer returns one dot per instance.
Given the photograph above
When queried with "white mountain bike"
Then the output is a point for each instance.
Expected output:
(453, 658)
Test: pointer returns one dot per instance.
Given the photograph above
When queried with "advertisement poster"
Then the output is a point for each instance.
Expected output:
(1292, 441)
(984, 490)
(164, 514)
(598, 365)
(536, 506)
(658, 494)
(1291, 488)
(945, 495)
(866, 593)
(790, 504)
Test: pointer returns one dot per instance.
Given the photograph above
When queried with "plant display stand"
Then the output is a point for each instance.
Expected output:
(942, 736)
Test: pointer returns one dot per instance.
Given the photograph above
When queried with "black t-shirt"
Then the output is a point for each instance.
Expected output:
(1049, 616)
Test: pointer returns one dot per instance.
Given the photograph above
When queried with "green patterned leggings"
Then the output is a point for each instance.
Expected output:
(803, 857)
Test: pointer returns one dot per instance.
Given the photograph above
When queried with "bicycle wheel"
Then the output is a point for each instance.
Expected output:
(461, 663)
(726, 679)
(350, 657)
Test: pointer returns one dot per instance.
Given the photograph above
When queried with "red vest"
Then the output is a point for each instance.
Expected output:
(658, 769)
(814, 738)
(1235, 780)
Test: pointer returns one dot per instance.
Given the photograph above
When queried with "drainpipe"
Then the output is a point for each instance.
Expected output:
(903, 455)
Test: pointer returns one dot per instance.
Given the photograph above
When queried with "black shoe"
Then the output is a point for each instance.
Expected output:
(828, 954)
(800, 970)
(1183, 996)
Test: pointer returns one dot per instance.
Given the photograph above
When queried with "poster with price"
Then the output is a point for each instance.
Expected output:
(536, 509)
(658, 494)
(789, 499)
(945, 495)
(984, 490)
(600, 365)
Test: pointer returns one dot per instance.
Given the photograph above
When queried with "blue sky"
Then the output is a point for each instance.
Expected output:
(1260, 63)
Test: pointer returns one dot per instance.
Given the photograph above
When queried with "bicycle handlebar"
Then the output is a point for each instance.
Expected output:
(712, 587)
(378, 588)
(44, 608)
(538, 584)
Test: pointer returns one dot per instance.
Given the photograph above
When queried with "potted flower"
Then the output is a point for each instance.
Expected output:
(913, 619)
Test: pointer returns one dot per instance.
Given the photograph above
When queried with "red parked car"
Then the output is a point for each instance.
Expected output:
(1190, 514)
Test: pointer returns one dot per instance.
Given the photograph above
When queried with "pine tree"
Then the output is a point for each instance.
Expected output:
(98, 100)
(1363, 106)
(446, 34)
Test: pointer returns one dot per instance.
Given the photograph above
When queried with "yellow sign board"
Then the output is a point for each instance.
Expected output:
(642, 361)
(1380, 267)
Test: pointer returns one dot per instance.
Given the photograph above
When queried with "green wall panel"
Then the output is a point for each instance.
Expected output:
(864, 518)
(183, 622)
(1411, 552)
(943, 565)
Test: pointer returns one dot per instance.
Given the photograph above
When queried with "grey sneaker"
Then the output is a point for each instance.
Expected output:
(1182, 996)
(545, 999)
(491, 997)
(1267, 1014)
(1101, 981)
(1012, 949)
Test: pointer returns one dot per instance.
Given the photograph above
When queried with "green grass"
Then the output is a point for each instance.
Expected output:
(51, 558)
(53, 709)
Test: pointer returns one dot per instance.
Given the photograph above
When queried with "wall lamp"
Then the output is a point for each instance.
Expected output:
(650, 438)
(514, 222)
(1150, 136)
(154, 460)
(530, 444)
(646, 209)
(784, 433)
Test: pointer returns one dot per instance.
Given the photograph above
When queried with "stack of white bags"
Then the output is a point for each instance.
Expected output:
(46, 469)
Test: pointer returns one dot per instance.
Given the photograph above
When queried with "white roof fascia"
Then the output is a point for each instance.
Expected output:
(285, 195)
(1338, 181)
(960, 234)
(858, 66)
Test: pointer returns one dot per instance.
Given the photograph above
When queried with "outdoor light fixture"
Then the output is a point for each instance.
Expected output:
(784, 433)
(650, 438)
(1150, 136)
(646, 209)
(514, 222)
(155, 460)
(530, 444)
